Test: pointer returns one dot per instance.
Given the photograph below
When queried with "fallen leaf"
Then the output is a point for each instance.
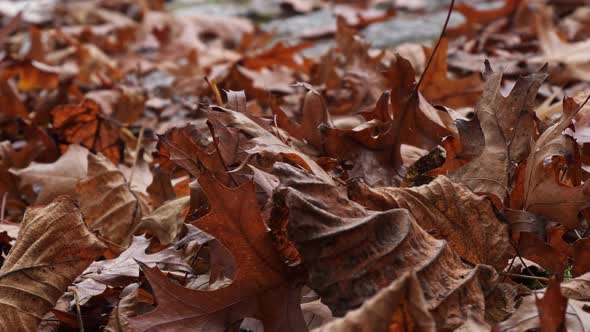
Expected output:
(53, 247)
(58, 178)
(544, 193)
(84, 124)
(108, 205)
(118, 272)
(448, 211)
(437, 88)
(398, 307)
(508, 124)
(351, 253)
(165, 222)
(261, 289)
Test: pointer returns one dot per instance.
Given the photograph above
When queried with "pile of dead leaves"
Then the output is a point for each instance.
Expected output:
(162, 173)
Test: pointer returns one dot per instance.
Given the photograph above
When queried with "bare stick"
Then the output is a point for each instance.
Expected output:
(442, 33)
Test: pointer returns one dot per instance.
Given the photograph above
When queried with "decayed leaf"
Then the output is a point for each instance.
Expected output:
(107, 203)
(166, 221)
(53, 248)
(351, 252)
(508, 124)
(449, 211)
(398, 307)
(437, 88)
(261, 288)
(58, 178)
(544, 193)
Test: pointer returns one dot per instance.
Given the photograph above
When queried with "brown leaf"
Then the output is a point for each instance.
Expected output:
(53, 248)
(398, 307)
(448, 211)
(552, 308)
(544, 192)
(261, 288)
(581, 257)
(108, 205)
(351, 252)
(508, 124)
(313, 115)
(32, 75)
(279, 54)
(58, 178)
(437, 88)
(534, 248)
(165, 222)
(571, 313)
(118, 272)
(11, 102)
(185, 150)
(84, 124)
(264, 143)
(573, 57)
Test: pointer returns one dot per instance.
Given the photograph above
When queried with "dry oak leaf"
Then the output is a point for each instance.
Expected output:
(399, 307)
(184, 149)
(264, 143)
(508, 124)
(53, 247)
(448, 211)
(85, 124)
(572, 311)
(402, 118)
(544, 192)
(437, 88)
(351, 253)
(314, 114)
(108, 205)
(262, 288)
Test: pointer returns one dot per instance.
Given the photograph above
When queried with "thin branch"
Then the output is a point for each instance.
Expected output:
(78, 310)
(442, 33)
(524, 276)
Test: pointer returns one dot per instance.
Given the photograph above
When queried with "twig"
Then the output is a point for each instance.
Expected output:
(136, 154)
(442, 33)
(583, 104)
(78, 310)
(3, 207)
(215, 89)
(524, 276)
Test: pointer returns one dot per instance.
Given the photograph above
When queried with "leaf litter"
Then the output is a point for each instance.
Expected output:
(196, 173)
